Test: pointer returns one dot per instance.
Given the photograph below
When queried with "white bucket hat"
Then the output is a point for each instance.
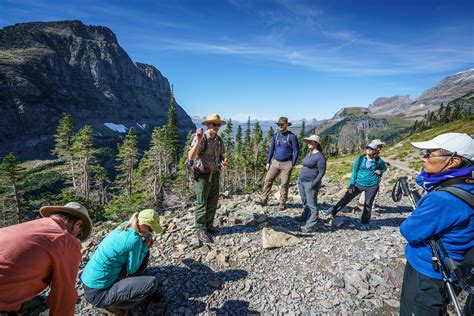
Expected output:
(457, 143)
(377, 142)
(314, 138)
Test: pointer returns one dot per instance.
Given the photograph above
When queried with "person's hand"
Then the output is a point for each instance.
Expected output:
(267, 166)
(199, 133)
(148, 242)
(377, 172)
(225, 162)
(350, 190)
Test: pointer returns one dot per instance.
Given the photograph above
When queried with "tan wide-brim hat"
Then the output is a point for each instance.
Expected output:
(76, 210)
(314, 138)
(213, 118)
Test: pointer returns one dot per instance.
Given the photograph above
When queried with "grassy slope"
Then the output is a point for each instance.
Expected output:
(405, 152)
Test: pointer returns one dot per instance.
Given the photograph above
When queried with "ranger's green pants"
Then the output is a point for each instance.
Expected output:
(207, 196)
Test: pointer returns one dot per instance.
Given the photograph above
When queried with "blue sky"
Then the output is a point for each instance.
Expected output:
(267, 58)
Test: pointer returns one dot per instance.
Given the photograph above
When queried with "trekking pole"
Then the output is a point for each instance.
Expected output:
(401, 188)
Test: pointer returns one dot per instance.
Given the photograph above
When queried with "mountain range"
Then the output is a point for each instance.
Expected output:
(51, 68)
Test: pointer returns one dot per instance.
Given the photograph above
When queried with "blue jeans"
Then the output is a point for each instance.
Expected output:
(309, 197)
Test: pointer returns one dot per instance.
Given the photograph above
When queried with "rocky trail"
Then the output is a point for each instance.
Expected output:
(261, 262)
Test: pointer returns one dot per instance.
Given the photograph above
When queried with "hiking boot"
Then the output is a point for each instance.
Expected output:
(203, 237)
(260, 202)
(365, 226)
(305, 229)
(282, 207)
(327, 212)
(213, 230)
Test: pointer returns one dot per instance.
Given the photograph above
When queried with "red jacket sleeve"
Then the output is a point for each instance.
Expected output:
(66, 259)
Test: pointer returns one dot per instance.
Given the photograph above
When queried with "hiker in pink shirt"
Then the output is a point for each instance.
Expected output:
(41, 253)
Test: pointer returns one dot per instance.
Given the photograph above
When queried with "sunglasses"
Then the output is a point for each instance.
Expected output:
(281, 124)
(429, 154)
(216, 125)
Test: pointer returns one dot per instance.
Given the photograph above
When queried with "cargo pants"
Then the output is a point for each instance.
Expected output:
(207, 197)
(282, 168)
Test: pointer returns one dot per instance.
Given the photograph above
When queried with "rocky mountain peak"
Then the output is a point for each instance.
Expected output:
(68, 28)
(384, 104)
(51, 68)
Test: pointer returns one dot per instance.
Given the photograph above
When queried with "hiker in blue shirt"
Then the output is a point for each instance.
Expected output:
(447, 163)
(366, 174)
(111, 278)
(282, 157)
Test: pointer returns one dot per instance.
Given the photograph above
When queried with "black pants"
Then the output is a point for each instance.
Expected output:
(370, 193)
(126, 292)
(422, 295)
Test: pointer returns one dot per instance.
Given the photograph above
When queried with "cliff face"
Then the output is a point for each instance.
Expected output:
(47, 69)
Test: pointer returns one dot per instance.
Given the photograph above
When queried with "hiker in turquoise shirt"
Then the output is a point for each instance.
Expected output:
(366, 174)
(111, 278)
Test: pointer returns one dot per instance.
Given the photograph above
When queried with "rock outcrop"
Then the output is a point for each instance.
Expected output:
(50, 68)
(355, 126)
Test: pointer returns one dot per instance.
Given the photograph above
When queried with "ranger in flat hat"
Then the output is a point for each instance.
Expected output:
(41, 253)
(207, 157)
(282, 157)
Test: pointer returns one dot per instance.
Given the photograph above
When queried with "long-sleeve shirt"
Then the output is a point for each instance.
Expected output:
(314, 168)
(439, 214)
(366, 175)
(34, 255)
(281, 150)
(119, 249)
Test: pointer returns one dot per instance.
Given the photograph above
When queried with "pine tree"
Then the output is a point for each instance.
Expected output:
(457, 112)
(238, 161)
(326, 145)
(127, 155)
(63, 137)
(172, 129)
(414, 127)
(154, 167)
(238, 140)
(256, 152)
(101, 184)
(440, 113)
(247, 154)
(227, 136)
(83, 149)
(447, 114)
(184, 180)
(228, 141)
(302, 145)
(63, 147)
(11, 174)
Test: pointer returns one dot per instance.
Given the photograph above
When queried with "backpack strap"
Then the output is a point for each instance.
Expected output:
(377, 165)
(359, 163)
(466, 196)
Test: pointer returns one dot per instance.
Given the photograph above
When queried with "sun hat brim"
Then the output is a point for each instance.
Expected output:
(47, 211)
(221, 122)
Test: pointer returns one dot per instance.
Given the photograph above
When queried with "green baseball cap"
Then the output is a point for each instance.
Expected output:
(151, 218)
